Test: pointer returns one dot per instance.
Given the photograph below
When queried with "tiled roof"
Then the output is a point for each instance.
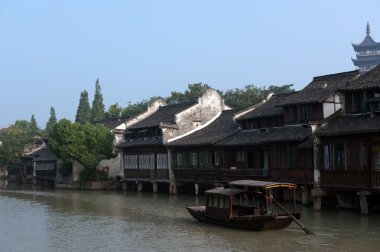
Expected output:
(150, 141)
(367, 42)
(112, 123)
(219, 129)
(308, 143)
(321, 88)
(165, 114)
(350, 124)
(43, 154)
(269, 108)
(369, 80)
(294, 133)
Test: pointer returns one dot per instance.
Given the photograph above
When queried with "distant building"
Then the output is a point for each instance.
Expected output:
(367, 53)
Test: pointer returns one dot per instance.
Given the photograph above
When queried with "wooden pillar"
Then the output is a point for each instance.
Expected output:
(139, 186)
(155, 187)
(173, 188)
(363, 201)
(172, 181)
(196, 186)
(317, 193)
(305, 195)
(124, 185)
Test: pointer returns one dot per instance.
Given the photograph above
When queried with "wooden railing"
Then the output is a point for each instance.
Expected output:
(297, 176)
(46, 175)
(345, 179)
(375, 180)
(202, 175)
(146, 174)
(230, 174)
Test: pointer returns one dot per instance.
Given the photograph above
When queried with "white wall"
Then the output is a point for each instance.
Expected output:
(331, 105)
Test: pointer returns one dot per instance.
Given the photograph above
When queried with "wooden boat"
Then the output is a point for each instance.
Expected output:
(247, 204)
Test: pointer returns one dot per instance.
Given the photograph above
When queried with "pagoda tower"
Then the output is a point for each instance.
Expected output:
(367, 53)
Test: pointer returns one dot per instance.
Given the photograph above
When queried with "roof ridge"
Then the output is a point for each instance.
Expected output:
(321, 77)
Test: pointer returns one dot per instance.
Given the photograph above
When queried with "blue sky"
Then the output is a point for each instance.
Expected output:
(52, 50)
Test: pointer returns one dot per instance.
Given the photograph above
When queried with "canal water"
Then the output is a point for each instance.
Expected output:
(63, 220)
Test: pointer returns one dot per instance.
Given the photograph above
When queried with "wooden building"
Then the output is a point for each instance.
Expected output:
(42, 163)
(266, 148)
(195, 159)
(145, 155)
(348, 145)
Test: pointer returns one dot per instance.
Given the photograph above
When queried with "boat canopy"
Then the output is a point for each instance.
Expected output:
(262, 184)
(224, 191)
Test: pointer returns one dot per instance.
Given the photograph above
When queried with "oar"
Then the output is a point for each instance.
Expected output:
(305, 229)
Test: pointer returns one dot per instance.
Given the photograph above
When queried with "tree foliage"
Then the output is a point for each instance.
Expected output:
(98, 108)
(86, 143)
(194, 91)
(134, 109)
(114, 111)
(34, 130)
(250, 94)
(13, 139)
(84, 110)
(52, 120)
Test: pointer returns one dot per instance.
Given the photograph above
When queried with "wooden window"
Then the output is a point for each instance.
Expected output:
(376, 157)
(208, 158)
(339, 156)
(284, 157)
(202, 158)
(45, 166)
(162, 161)
(348, 102)
(179, 158)
(131, 162)
(309, 112)
(240, 156)
(300, 113)
(327, 153)
(215, 200)
(216, 156)
(292, 114)
(194, 158)
(293, 157)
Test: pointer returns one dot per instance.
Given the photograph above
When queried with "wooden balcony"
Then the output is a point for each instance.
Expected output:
(46, 175)
(146, 174)
(375, 180)
(231, 174)
(196, 175)
(346, 179)
(297, 176)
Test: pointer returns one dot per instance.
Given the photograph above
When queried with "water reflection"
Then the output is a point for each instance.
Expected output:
(58, 220)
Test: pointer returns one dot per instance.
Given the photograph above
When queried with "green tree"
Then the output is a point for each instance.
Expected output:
(86, 143)
(134, 109)
(84, 110)
(114, 111)
(52, 120)
(98, 109)
(33, 127)
(13, 139)
(194, 91)
(250, 94)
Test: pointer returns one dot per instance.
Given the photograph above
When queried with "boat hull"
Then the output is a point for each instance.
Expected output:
(251, 222)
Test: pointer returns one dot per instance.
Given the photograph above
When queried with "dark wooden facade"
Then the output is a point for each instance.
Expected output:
(349, 148)
(303, 113)
(350, 161)
(41, 165)
(195, 165)
(148, 163)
